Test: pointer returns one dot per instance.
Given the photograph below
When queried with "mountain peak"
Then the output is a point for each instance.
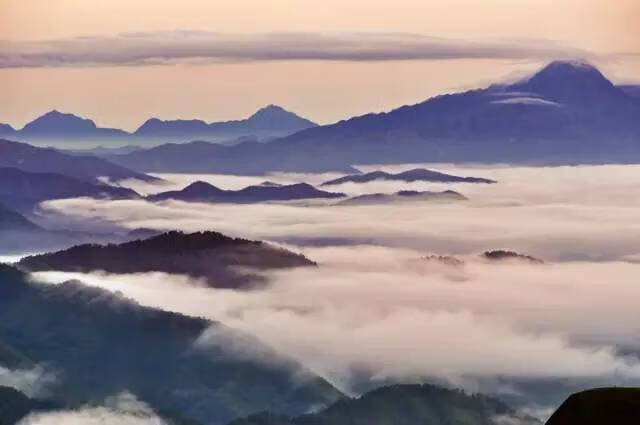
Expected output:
(572, 81)
(55, 121)
(274, 116)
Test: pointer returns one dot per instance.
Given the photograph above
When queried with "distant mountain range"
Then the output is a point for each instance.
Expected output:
(54, 126)
(45, 160)
(403, 196)
(205, 255)
(98, 344)
(566, 113)
(417, 174)
(205, 192)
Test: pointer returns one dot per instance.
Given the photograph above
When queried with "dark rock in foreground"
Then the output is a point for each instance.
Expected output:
(603, 406)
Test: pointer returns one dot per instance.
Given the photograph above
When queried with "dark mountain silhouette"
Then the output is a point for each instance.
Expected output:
(566, 113)
(403, 196)
(204, 255)
(11, 220)
(23, 190)
(269, 121)
(403, 405)
(619, 406)
(447, 260)
(417, 174)
(15, 405)
(205, 192)
(44, 160)
(501, 254)
(100, 344)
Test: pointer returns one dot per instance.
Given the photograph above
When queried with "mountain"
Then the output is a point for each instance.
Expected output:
(567, 113)
(403, 196)
(98, 344)
(619, 406)
(15, 405)
(203, 255)
(501, 255)
(55, 127)
(403, 405)
(269, 121)
(205, 192)
(631, 90)
(55, 124)
(249, 158)
(44, 160)
(23, 190)
(417, 174)
(11, 220)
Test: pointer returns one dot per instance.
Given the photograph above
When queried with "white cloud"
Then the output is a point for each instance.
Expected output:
(209, 47)
(121, 409)
(34, 382)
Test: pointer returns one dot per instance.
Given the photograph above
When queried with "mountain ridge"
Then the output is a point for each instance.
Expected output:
(568, 113)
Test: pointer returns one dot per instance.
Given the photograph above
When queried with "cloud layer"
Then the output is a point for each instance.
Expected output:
(376, 311)
(121, 409)
(190, 46)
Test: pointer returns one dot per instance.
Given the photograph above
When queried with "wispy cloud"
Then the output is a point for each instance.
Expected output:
(180, 46)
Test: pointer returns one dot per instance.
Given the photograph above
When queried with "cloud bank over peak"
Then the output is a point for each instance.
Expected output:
(193, 46)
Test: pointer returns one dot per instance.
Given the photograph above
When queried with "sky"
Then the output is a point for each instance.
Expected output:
(120, 62)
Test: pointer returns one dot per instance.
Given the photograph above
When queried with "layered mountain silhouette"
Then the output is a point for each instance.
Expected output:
(45, 160)
(204, 192)
(222, 261)
(269, 121)
(404, 405)
(23, 190)
(99, 344)
(417, 174)
(566, 113)
(54, 126)
(12, 220)
(403, 196)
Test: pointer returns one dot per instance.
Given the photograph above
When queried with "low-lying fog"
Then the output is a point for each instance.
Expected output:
(374, 310)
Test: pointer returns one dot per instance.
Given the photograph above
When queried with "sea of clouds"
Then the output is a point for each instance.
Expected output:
(375, 311)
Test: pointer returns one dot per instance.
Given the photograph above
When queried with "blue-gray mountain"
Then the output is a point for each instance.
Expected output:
(417, 174)
(23, 190)
(45, 160)
(403, 196)
(204, 192)
(54, 126)
(566, 113)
